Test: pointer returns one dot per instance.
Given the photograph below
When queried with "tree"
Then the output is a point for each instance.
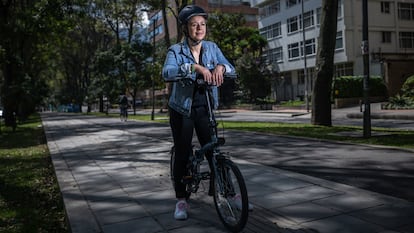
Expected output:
(243, 47)
(139, 71)
(321, 97)
(29, 35)
(85, 38)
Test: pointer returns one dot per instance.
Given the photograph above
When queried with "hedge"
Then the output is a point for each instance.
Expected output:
(352, 86)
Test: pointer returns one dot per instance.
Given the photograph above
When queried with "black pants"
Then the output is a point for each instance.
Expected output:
(182, 130)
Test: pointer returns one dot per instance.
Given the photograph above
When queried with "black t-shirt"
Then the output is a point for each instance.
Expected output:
(199, 96)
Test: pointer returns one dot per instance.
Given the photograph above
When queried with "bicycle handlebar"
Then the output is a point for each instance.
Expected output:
(189, 80)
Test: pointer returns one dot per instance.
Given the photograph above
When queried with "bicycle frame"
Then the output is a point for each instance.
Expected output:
(213, 146)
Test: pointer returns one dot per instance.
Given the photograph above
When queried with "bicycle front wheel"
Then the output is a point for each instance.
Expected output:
(230, 195)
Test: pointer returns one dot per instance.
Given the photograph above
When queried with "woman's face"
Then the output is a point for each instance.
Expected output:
(197, 27)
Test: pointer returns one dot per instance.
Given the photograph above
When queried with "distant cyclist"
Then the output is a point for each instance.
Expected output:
(123, 107)
(196, 58)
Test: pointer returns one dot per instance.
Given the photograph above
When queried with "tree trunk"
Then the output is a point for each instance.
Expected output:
(166, 30)
(321, 97)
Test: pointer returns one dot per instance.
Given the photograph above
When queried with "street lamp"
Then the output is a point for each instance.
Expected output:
(365, 54)
(305, 73)
(154, 21)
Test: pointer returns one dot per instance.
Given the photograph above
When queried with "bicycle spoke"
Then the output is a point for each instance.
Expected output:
(231, 196)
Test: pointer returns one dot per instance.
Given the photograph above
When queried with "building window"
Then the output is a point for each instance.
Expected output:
(308, 20)
(386, 37)
(406, 11)
(339, 44)
(293, 24)
(270, 9)
(271, 31)
(344, 69)
(275, 55)
(339, 9)
(385, 7)
(294, 50)
(318, 15)
(310, 47)
(407, 40)
(290, 3)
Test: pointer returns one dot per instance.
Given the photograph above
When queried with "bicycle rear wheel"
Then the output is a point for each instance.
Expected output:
(230, 196)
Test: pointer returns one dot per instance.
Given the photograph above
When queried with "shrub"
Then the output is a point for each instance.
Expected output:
(400, 102)
(407, 88)
(352, 86)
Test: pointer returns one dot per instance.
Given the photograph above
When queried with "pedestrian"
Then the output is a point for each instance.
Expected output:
(123, 106)
(194, 58)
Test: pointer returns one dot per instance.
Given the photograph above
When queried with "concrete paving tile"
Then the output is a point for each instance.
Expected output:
(167, 221)
(133, 183)
(199, 228)
(80, 217)
(285, 184)
(145, 187)
(149, 170)
(67, 185)
(201, 215)
(112, 203)
(277, 181)
(392, 216)
(255, 189)
(92, 195)
(350, 202)
(82, 173)
(98, 186)
(157, 202)
(97, 178)
(141, 225)
(305, 212)
(342, 224)
(121, 214)
(264, 220)
(280, 199)
(409, 228)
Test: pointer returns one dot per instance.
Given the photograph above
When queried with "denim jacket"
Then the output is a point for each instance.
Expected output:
(178, 64)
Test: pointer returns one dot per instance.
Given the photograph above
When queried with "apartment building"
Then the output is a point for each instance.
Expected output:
(290, 24)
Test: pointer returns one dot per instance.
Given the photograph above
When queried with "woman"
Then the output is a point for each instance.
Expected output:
(194, 58)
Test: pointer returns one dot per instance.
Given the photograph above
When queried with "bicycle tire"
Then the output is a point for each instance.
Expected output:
(232, 215)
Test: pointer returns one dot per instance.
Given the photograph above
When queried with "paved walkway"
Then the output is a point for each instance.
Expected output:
(114, 178)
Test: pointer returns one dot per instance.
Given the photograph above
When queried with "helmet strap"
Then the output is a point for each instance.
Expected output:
(193, 42)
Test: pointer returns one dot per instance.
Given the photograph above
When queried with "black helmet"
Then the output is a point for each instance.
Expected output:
(189, 11)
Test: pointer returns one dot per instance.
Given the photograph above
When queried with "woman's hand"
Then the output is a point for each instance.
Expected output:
(214, 77)
(217, 75)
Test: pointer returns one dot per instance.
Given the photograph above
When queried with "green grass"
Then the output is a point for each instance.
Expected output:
(30, 200)
(379, 136)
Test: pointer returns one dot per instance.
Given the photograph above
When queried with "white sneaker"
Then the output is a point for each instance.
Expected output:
(180, 212)
(236, 200)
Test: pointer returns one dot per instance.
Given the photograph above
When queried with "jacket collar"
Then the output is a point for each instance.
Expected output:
(185, 48)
